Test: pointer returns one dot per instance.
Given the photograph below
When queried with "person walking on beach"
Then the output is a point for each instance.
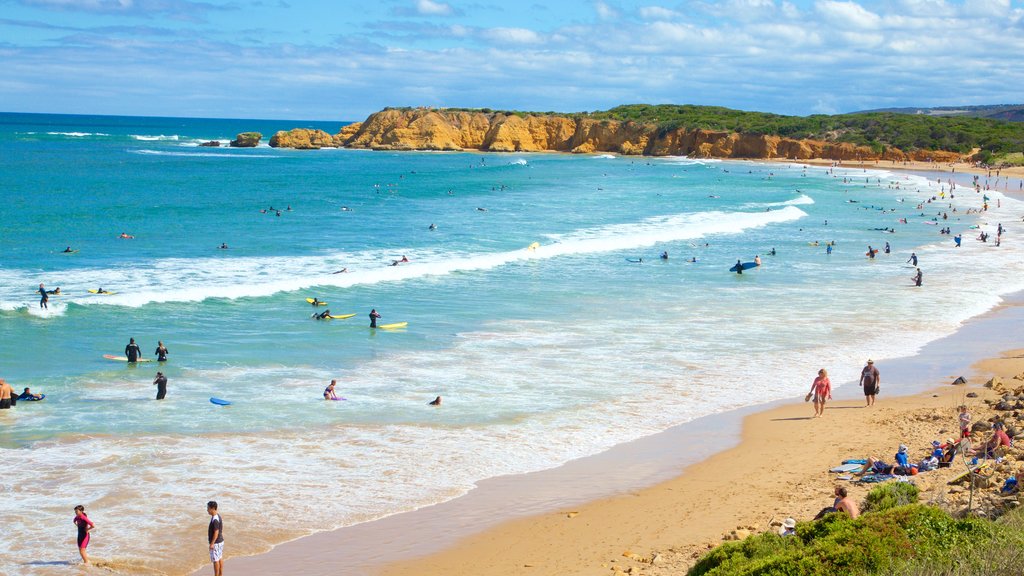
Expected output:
(373, 318)
(132, 350)
(870, 380)
(822, 390)
(965, 421)
(161, 351)
(84, 527)
(215, 535)
(161, 385)
(43, 297)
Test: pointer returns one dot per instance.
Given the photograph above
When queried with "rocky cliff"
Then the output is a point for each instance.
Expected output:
(246, 140)
(432, 129)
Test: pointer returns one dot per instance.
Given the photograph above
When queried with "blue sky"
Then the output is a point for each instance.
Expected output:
(341, 60)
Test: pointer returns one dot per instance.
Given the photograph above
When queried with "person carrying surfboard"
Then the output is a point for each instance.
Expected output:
(132, 350)
(373, 318)
(739, 267)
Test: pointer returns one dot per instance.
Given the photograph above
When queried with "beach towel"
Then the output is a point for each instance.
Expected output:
(855, 461)
(875, 478)
(846, 467)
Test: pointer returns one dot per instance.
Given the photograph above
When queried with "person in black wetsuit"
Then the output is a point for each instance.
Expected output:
(132, 350)
(664, 255)
(373, 318)
(43, 297)
(739, 267)
(161, 351)
(887, 248)
(28, 395)
(913, 258)
(323, 315)
(161, 385)
(917, 278)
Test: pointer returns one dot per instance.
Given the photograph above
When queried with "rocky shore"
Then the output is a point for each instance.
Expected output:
(456, 130)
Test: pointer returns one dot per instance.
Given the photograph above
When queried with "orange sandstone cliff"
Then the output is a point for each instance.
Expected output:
(433, 129)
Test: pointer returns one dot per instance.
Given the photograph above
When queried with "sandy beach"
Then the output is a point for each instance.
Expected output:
(1013, 172)
(779, 470)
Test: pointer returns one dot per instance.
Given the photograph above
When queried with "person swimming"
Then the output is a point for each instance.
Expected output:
(432, 226)
(343, 270)
(435, 402)
(664, 255)
(68, 250)
(223, 246)
(323, 315)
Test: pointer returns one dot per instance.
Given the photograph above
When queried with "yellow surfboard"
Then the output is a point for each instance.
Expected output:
(310, 300)
(341, 317)
(393, 325)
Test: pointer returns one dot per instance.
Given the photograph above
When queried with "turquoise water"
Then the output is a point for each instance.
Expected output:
(541, 355)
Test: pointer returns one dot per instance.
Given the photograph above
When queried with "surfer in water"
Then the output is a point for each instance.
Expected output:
(917, 278)
(435, 402)
(757, 259)
(664, 255)
(329, 393)
(342, 271)
(772, 253)
(739, 267)
(43, 297)
(132, 350)
(887, 249)
(871, 252)
(913, 259)
(315, 302)
(432, 227)
(68, 250)
(100, 290)
(161, 351)
(373, 318)
(223, 245)
(323, 315)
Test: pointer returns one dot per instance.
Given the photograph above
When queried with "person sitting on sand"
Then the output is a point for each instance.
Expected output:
(329, 393)
(845, 503)
(28, 395)
(435, 401)
(998, 439)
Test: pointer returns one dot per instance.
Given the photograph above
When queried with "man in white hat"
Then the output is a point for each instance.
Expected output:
(788, 527)
(871, 382)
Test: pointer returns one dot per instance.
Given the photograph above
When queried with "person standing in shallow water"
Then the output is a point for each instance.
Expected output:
(161, 351)
(871, 382)
(161, 385)
(373, 318)
(215, 535)
(84, 527)
(132, 350)
(43, 297)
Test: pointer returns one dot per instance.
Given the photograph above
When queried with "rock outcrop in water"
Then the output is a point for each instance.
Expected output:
(246, 140)
(433, 129)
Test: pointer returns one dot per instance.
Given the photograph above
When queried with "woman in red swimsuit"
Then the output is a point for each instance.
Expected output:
(84, 527)
(822, 390)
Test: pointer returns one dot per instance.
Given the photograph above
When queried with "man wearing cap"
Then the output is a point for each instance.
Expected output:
(870, 380)
(161, 385)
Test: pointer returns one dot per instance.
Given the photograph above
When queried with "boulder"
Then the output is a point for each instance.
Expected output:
(211, 143)
(994, 382)
(246, 140)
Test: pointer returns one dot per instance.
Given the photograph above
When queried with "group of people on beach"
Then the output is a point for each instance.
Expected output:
(821, 388)
(214, 535)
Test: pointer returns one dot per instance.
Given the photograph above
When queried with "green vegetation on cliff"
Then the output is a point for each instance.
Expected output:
(904, 540)
(879, 130)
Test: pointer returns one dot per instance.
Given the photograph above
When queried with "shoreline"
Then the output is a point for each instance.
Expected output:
(507, 522)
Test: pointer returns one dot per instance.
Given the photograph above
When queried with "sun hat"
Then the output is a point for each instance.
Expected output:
(870, 361)
(949, 441)
(903, 447)
(789, 523)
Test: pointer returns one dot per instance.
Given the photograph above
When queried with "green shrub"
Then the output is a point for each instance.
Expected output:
(890, 495)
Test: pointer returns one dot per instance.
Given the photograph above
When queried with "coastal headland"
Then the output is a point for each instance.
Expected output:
(681, 130)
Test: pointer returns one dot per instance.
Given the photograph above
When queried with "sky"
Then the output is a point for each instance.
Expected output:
(342, 60)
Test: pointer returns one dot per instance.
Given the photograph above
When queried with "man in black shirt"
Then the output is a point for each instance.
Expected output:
(132, 350)
(215, 535)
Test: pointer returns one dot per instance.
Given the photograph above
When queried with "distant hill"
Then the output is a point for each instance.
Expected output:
(1008, 112)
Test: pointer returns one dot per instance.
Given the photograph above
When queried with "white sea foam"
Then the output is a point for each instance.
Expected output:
(518, 162)
(801, 200)
(75, 134)
(185, 280)
(604, 156)
(199, 154)
(156, 138)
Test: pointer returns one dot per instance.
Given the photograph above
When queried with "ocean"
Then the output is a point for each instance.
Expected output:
(541, 355)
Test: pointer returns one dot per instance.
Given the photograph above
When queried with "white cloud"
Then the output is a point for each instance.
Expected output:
(657, 13)
(604, 11)
(847, 14)
(986, 7)
(512, 35)
(431, 8)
